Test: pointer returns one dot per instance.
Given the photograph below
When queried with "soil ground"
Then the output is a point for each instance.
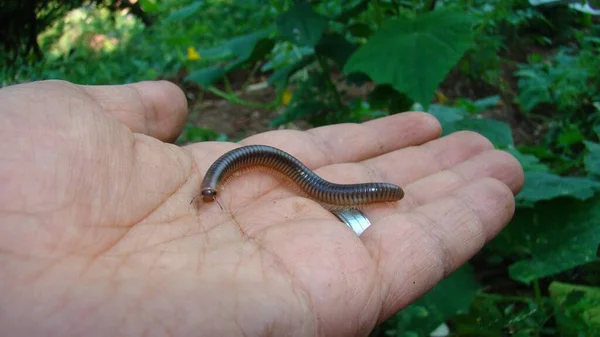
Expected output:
(212, 112)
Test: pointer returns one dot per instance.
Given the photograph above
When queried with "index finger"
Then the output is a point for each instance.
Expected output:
(348, 142)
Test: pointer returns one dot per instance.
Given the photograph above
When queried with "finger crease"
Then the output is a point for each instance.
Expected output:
(431, 227)
(322, 146)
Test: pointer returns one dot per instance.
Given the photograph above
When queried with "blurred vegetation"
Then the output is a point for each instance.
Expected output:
(526, 74)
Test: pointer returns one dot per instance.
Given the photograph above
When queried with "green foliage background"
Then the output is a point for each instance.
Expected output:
(540, 276)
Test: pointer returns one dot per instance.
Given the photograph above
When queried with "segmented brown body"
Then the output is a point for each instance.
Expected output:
(314, 186)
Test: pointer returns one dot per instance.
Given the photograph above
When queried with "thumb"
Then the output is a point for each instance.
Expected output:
(157, 109)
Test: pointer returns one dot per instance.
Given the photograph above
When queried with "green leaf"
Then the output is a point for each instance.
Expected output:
(360, 30)
(555, 236)
(248, 49)
(150, 6)
(545, 186)
(541, 152)
(281, 76)
(192, 134)
(570, 135)
(447, 115)
(499, 133)
(475, 107)
(185, 12)
(258, 51)
(352, 12)
(534, 88)
(386, 97)
(286, 57)
(179, 41)
(336, 47)
(206, 76)
(597, 130)
(243, 47)
(487, 102)
(529, 162)
(218, 53)
(451, 297)
(592, 158)
(491, 315)
(415, 55)
(301, 25)
(577, 308)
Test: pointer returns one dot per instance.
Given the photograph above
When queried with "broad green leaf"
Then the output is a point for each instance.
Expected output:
(552, 237)
(301, 25)
(415, 55)
(451, 297)
(545, 186)
(499, 133)
(185, 12)
(577, 308)
(529, 162)
(206, 76)
(592, 158)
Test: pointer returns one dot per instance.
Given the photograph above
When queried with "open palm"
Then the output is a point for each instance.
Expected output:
(102, 231)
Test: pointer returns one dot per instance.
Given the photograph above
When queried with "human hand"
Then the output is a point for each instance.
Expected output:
(102, 233)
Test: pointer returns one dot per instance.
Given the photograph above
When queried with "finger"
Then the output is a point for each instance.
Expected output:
(157, 109)
(400, 167)
(352, 142)
(415, 250)
(409, 164)
(496, 164)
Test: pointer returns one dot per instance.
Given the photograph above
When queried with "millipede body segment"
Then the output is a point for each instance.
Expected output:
(317, 188)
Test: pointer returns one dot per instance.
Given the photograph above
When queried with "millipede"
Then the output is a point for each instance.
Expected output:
(315, 187)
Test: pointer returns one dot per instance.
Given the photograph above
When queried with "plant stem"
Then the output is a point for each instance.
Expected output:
(538, 294)
(227, 84)
(329, 82)
(247, 82)
(233, 98)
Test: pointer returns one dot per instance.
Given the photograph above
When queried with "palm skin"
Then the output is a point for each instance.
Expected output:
(102, 232)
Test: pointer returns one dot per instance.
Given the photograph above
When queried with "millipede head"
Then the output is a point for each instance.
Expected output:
(208, 194)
